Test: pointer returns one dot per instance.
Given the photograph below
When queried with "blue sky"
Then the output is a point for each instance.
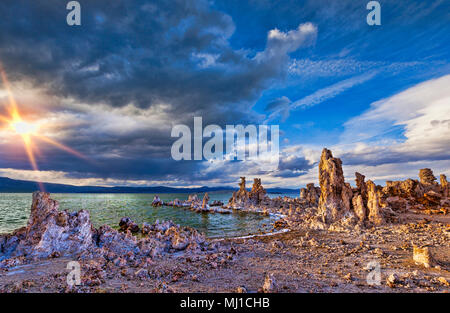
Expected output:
(113, 87)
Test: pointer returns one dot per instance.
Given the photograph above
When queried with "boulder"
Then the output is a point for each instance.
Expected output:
(422, 256)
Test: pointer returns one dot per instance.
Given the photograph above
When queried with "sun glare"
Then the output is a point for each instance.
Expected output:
(24, 128)
(27, 130)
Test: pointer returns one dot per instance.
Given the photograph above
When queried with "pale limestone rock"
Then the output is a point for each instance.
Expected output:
(373, 204)
(50, 231)
(205, 201)
(361, 185)
(359, 208)
(303, 193)
(427, 177)
(156, 201)
(335, 196)
(409, 188)
(258, 193)
(444, 186)
(422, 256)
(270, 285)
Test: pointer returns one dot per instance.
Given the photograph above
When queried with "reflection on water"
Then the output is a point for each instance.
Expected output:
(109, 208)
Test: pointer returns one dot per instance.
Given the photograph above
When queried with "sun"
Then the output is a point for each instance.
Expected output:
(24, 128)
(27, 130)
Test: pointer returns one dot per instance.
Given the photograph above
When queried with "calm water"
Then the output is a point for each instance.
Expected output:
(109, 208)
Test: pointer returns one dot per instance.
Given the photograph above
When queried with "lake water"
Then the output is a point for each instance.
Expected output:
(109, 208)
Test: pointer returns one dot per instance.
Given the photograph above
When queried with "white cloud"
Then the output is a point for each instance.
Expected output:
(279, 43)
(322, 95)
(423, 111)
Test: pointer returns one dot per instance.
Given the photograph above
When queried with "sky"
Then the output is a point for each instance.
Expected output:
(113, 88)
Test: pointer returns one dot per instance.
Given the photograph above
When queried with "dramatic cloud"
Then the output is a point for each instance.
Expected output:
(421, 112)
(113, 87)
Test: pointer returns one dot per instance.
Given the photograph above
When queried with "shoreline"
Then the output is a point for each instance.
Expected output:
(326, 240)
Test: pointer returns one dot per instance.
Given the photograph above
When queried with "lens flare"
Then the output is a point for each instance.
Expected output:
(24, 128)
(27, 130)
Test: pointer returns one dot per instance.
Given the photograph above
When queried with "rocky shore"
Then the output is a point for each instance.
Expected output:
(367, 238)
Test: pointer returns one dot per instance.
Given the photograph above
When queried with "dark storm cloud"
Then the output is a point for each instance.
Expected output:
(293, 166)
(171, 56)
(140, 52)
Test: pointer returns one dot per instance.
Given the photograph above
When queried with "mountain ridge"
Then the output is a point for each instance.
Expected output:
(8, 185)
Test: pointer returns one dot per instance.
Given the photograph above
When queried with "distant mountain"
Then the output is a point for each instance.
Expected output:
(15, 186)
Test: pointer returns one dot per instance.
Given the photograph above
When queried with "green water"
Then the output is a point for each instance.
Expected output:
(109, 208)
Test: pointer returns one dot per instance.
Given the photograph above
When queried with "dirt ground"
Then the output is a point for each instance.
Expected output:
(300, 260)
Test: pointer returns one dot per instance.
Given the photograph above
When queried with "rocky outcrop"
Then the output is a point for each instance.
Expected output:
(361, 187)
(409, 188)
(257, 194)
(426, 177)
(54, 233)
(242, 198)
(373, 204)
(445, 190)
(335, 194)
(368, 202)
(360, 208)
(127, 224)
(50, 231)
(310, 194)
(157, 201)
(205, 205)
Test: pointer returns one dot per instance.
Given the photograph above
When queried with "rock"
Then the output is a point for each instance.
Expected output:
(432, 198)
(157, 201)
(444, 186)
(373, 204)
(303, 193)
(405, 189)
(310, 194)
(335, 195)
(359, 208)
(270, 285)
(443, 281)
(50, 231)
(361, 185)
(426, 177)
(257, 194)
(175, 203)
(205, 205)
(392, 280)
(127, 224)
(240, 197)
(422, 256)
(246, 199)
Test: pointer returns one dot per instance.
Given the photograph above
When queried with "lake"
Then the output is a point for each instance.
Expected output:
(109, 208)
